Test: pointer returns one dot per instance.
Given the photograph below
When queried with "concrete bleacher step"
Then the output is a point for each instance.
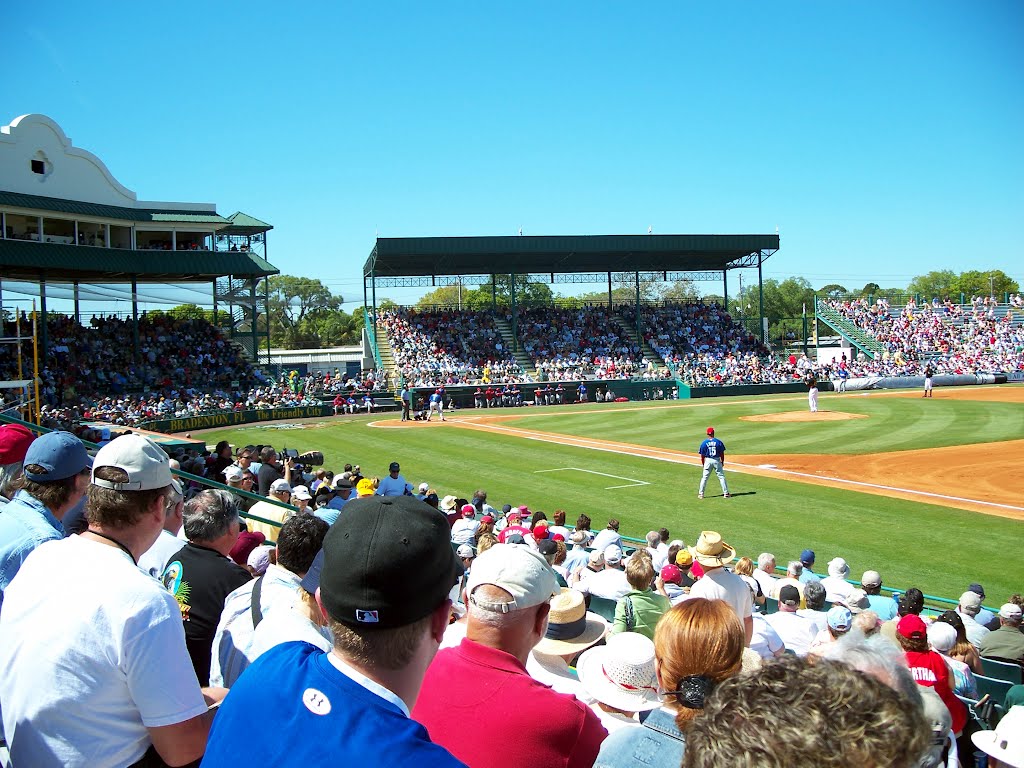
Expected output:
(510, 342)
(646, 349)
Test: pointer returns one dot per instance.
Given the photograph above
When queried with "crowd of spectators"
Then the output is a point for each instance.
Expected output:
(623, 651)
(585, 343)
(448, 347)
(982, 337)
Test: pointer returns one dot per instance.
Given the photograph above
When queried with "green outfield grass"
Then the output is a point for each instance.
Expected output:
(892, 424)
(937, 549)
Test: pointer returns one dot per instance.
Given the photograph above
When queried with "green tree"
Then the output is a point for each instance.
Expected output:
(527, 294)
(976, 283)
(870, 289)
(833, 291)
(936, 284)
(293, 301)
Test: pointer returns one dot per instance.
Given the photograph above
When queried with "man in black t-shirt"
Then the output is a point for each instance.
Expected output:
(201, 574)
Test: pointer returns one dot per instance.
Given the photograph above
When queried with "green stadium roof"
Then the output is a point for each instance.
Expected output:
(38, 203)
(244, 224)
(416, 256)
(28, 260)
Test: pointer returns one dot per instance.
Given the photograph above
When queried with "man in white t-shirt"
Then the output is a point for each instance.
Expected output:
(719, 584)
(796, 631)
(464, 529)
(394, 484)
(93, 666)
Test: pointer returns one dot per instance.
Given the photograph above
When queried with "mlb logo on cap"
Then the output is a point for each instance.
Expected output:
(367, 617)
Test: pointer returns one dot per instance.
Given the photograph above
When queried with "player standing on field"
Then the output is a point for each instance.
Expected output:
(928, 373)
(812, 391)
(712, 456)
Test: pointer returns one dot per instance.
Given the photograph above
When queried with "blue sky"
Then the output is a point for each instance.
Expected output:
(883, 139)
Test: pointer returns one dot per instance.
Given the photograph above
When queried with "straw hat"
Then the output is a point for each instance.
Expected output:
(571, 627)
(711, 551)
(621, 673)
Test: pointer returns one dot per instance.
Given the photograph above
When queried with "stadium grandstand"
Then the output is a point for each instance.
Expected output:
(70, 233)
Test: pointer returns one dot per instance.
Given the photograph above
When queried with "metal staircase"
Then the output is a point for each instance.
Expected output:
(848, 330)
(236, 297)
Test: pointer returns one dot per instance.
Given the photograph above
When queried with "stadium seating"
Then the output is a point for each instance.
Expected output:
(1002, 670)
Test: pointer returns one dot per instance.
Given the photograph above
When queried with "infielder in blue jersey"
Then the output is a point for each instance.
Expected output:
(712, 456)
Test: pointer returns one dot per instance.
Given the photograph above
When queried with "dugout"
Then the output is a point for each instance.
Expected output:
(558, 260)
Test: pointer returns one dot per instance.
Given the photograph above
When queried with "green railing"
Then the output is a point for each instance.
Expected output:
(869, 346)
(371, 334)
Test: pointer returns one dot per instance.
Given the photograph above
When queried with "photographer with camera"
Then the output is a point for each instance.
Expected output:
(272, 470)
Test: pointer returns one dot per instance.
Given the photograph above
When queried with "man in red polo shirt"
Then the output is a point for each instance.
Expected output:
(485, 679)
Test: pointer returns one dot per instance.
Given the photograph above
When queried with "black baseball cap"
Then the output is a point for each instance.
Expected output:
(371, 555)
(394, 467)
(789, 595)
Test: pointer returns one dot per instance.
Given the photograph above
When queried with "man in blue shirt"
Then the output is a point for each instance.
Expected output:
(55, 479)
(712, 456)
(352, 704)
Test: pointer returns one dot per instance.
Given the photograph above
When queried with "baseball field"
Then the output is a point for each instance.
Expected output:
(929, 492)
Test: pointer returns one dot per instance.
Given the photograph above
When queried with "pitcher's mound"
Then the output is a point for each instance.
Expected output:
(805, 416)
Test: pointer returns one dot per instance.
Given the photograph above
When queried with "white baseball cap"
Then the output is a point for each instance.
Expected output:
(301, 492)
(280, 485)
(518, 570)
(145, 463)
(234, 473)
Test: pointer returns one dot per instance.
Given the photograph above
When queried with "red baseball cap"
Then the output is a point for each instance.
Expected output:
(14, 442)
(671, 574)
(711, 430)
(540, 531)
(912, 626)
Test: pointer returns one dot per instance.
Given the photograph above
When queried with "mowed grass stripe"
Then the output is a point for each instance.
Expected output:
(909, 542)
(892, 424)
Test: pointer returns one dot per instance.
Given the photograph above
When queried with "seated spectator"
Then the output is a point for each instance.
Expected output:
(807, 561)
(354, 702)
(963, 650)
(1007, 642)
(280, 491)
(14, 442)
(968, 608)
(1003, 745)
(744, 568)
(54, 480)
(838, 621)
(885, 607)
(620, 676)
(508, 592)
(764, 574)
(200, 575)
(301, 621)
(607, 537)
(814, 599)
(911, 601)
(796, 631)
(609, 582)
(300, 539)
(836, 585)
(154, 559)
(942, 638)
(115, 665)
(639, 609)
(698, 645)
(572, 629)
(717, 583)
(464, 529)
(858, 720)
(928, 667)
